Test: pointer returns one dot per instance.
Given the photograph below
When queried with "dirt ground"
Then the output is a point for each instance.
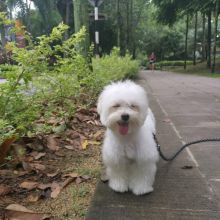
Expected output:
(57, 175)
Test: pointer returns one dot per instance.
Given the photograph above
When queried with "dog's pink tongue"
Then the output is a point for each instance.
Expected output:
(123, 129)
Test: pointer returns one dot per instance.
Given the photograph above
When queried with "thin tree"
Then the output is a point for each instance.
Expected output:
(215, 34)
(195, 38)
(118, 22)
(186, 40)
(81, 18)
(203, 37)
(3, 8)
(209, 38)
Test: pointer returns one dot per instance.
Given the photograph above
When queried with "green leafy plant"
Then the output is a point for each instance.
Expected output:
(113, 67)
(174, 63)
(52, 77)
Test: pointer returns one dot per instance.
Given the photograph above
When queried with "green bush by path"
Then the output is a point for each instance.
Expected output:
(52, 79)
(113, 67)
(174, 63)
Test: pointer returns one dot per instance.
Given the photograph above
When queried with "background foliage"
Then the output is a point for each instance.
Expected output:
(55, 71)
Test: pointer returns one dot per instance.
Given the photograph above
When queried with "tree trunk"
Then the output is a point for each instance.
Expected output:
(195, 39)
(118, 22)
(127, 24)
(67, 18)
(81, 18)
(27, 16)
(132, 30)
(186, 40)
(3, 8)
(209, 38)
(203, 38)
(215, 35)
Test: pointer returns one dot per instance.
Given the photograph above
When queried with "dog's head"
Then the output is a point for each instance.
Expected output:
(123, 107)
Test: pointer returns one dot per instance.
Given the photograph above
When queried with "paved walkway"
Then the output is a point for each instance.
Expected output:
(186, 108)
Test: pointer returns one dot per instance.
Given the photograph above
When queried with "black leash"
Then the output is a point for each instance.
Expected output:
(182, 148)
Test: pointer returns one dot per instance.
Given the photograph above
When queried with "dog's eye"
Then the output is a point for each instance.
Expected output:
(116, 106)
(133, 106)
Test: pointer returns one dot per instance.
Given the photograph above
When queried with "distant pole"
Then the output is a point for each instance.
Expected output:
(195, 38)
(186, 41)
(215, 36)
(96, 18)
(96, 4)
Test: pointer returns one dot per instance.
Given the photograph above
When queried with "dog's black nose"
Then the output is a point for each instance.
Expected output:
(125, 117)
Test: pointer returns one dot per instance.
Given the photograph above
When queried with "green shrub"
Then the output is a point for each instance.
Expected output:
(37, 88)
(174, 63)
(113, 67)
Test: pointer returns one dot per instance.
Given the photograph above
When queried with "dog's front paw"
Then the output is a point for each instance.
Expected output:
(140, 190)
(118, 185)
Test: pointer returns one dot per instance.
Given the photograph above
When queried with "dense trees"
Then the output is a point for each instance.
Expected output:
(170, 11)
(173, 29)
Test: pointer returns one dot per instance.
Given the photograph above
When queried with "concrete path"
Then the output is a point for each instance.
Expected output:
(186, 108)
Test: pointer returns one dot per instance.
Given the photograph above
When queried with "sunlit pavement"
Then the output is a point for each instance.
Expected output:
(186, 108)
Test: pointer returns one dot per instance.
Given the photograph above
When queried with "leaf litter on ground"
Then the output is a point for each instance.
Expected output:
(42, 172)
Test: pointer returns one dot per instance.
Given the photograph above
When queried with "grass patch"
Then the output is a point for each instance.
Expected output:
(80, 194)
(199, 69)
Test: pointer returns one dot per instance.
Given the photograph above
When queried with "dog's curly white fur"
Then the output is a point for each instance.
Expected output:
(129, 150)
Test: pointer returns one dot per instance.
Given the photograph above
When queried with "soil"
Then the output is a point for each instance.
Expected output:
(58, 173)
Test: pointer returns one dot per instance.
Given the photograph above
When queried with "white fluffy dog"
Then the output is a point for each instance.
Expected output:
(129, 150)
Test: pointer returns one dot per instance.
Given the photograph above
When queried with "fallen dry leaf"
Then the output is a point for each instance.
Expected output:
(26, 166)
(85, 144)
(20, 173)
(73, 175)
(82, 117)
(52, 143)
(27, 159)
(52, 121)
(29, 185)
(69, 147)
(4, 190)
(74, 143)
(35, 146)
(19, 212)
(187, 167)
(5, 172)
(67, 181)
(43, 186)
(98, 134)
(86, 177)
(94, 143)
(5, 147)
(167, 120)
(38, 166)
(79, 180)
(56, 188)
(34, 197)
(17, 207)
(59, 154)
(90, 122)
(53, 174)
(72, 134)
(37, 155)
